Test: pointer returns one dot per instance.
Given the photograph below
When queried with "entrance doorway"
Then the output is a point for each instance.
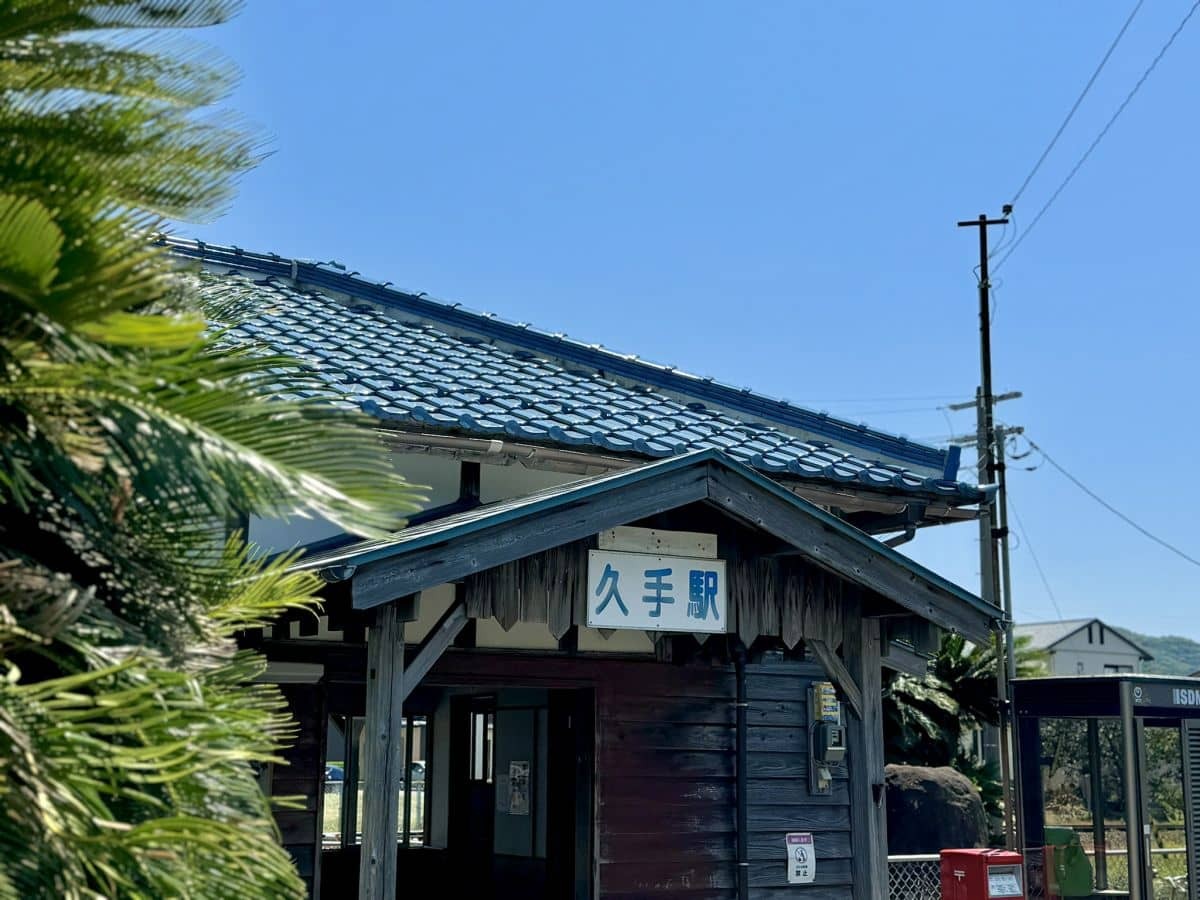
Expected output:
(520, 787)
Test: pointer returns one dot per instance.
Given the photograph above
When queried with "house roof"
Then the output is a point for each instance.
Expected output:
(489, 535)
(1047, 635)
(422, 364)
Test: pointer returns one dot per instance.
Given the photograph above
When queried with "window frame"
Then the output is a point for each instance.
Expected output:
(353, 726)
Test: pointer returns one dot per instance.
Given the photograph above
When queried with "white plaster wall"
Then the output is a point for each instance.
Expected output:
(522, 636)
(1090, 662)
(620, 641)
(432, 606)
(1077, 656)
(279, 535)
(440, 478)
(503, 482)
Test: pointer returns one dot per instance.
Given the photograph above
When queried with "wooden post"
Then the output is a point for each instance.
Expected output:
(383, 771)
(868, 811)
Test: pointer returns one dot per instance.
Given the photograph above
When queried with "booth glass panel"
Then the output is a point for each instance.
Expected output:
(1165, 810)
(1083, 806)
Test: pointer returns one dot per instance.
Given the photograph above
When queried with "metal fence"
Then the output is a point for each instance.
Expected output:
(919, 877)
(914, 877)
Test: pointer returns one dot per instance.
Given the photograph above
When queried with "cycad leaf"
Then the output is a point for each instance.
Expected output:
(30, 244)
(192, 78)
(129, 439)
(150, 332)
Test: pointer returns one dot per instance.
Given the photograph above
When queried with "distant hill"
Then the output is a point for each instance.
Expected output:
(1172, 655)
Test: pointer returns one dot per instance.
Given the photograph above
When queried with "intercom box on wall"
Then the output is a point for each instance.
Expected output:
(826, 736)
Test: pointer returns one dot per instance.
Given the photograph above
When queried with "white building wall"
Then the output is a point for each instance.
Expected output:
(440, 477)
(1077, 656)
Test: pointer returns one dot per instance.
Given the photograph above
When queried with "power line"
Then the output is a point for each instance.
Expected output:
(895, 412)
(1087, 87)
(892, 399)
(1026, 542)
(1005, 243)
(1099, 137)
(1112, 509)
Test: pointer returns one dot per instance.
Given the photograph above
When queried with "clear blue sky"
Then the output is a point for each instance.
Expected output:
(766, 193)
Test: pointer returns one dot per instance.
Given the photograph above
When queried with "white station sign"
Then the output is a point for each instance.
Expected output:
(656, 593)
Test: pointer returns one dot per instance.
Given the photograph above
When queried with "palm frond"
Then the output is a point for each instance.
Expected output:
(131, 434)
(30, 244)
(141, 70)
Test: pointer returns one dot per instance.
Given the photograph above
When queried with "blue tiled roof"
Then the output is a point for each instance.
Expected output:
(436, 367)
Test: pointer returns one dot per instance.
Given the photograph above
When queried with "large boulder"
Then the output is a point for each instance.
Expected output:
(931, 809)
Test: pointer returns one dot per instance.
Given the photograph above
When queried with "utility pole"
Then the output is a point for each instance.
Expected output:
(987, 463)
(985, 435)
(1010, 659)
(1002, 435)
(1001, 587)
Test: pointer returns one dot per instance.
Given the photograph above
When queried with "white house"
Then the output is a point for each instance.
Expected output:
(1083, 647)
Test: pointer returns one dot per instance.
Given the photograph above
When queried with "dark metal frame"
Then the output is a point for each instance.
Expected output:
(1134, 700)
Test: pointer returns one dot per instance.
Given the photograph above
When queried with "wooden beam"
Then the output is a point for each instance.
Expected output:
(838, 673)
(436, 642)
(838, 553)
(868, 811)
(921, 635)
(522, 534)
(902, 658)
(383, 773)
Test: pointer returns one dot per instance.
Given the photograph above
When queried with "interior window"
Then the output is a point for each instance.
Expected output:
(483, 733)
(345, 788)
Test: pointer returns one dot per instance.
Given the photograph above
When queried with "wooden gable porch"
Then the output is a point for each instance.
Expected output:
(711, 731)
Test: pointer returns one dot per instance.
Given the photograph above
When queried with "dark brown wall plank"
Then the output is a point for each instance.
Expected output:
(665, 736)
(627, 848)
(634, 791)
(665, 781)
(678, 894)
(667, 877)
(803, 892)
(300, 776)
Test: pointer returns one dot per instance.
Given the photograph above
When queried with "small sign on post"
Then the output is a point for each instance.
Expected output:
(801, 858)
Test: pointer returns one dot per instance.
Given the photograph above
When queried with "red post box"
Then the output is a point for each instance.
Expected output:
(982, 874)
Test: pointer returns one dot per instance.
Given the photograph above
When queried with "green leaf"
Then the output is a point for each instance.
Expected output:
(151, 332)
(30, 244)
(130, 437)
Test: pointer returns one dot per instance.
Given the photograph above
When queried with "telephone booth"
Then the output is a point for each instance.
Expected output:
(1109, 785)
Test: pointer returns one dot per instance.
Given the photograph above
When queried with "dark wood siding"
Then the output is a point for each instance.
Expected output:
(777, 791)
(301, 777)
(665, 802)
(666, 788)
(665, 779)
